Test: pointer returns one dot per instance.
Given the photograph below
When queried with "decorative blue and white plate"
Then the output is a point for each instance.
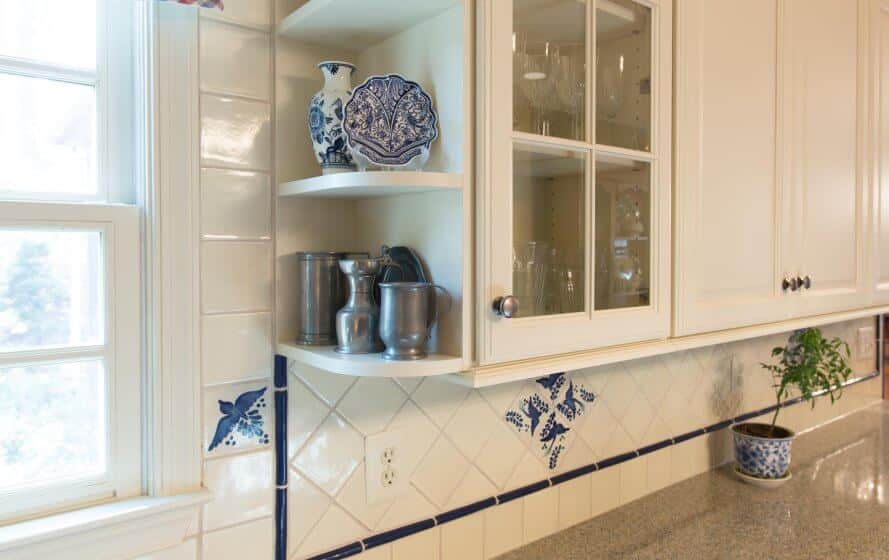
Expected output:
(390, 123)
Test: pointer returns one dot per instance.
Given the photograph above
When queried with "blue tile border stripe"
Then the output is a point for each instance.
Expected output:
(281, 458)
(380, 539)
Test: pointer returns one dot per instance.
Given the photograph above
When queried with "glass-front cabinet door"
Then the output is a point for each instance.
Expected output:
(574, 175)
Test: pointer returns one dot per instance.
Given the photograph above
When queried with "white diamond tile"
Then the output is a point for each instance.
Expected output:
(657, 431)
(500, 397)
(472, 425)
(674, 411)
(409, 384)
(371, 403)
(312, 505)
(335, 529)
(619, 393)
(528, 471)
(500, 456)
(579, 454)
(408, 508)
(439, 398)
(332, 454)
(596, 427)
(652, 377)
(353, 498)
(620, 442)
(597, 378)
(421, 435)
(474, 487)
(676, 362)
(305, 412)
(329, 386)
(637, 418)
(440, 471)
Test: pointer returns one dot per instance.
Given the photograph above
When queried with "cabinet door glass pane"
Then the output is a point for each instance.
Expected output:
(549, 67)
(623, 74)
(549, 225)
(623, 227)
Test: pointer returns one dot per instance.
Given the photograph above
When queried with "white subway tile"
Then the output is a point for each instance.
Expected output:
(464, 539)
(604, 490)
(249, 12)
(541, 514)
(185, 551)
(575, 501)
(236, 276)
(243, 489)
(235, 204)
(503, 525)
(254, 540)
(235, 60)
(659, 470)
(377, 553)
(235, 133)
(236, 347)
(424, 545)
(633, 479)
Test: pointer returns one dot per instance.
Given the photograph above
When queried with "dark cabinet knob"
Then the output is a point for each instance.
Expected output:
(805, 282)
(506, 306)
(791, 284)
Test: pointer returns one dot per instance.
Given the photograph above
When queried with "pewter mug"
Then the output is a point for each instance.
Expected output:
(322, 291)
(358, 322)
(408, 311)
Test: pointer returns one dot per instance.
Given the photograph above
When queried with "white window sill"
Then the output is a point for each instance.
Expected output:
(116, 531)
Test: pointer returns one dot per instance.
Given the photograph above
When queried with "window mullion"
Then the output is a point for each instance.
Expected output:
(41, 356)
(33, 69)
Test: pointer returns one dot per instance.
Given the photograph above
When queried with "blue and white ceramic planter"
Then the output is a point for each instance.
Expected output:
(762, 457)
(390, 124)
(326, 118)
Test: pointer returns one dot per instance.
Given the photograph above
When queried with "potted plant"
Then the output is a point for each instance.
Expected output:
(813, 366)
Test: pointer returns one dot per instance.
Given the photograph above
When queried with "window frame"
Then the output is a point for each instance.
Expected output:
(112, 210)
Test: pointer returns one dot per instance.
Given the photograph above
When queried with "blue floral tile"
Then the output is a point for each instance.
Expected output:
(546, 411)
(237, 417)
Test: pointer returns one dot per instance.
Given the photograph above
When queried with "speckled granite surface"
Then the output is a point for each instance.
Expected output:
(836, 506)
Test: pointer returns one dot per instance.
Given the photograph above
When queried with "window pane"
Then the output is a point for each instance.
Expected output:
(623, 74)
(50, 289)
(47, 136)
(55, 32)
(549, 229)
(623, 229)
(52, 423)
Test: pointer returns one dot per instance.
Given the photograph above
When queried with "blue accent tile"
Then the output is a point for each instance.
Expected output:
(616, 460)
(523, 491)
(281, 524)
(342, 552)
(718, 426)
(243, 420)
(574, 473)
(655, 447)
(399, 533)
(689, 435)
(459, 512)
(280, 371)
(281, 437)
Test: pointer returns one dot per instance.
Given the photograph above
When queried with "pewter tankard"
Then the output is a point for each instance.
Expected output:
(322, 291)
(408, 311)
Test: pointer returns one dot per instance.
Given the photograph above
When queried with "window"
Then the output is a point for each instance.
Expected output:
(70, 257)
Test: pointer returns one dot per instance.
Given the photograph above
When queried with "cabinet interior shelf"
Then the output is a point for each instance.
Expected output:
(370, 184)
(357, 24)
(369, 365)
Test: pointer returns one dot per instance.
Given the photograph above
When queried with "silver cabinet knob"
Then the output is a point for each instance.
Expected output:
(506, 306)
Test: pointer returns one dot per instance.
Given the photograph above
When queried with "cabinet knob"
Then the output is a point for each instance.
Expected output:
(506, 306)
(805, 282)
(791, 284)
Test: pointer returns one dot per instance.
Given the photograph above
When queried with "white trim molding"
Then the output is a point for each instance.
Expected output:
(118, 530)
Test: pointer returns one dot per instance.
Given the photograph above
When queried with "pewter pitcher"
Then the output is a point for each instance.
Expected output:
(358, 322)
(408, 312)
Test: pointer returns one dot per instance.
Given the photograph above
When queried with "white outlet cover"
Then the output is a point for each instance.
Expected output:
(375, 465)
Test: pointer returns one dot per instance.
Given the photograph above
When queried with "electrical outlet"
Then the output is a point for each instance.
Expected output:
(383, 460)
(866, 344)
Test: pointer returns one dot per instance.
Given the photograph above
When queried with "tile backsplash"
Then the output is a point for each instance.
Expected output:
(468, 445)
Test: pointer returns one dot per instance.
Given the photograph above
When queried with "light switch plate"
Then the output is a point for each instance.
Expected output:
(866, 344)
(385, 461)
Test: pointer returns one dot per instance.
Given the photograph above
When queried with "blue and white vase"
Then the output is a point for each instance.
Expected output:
(761, 453)
(326, 118)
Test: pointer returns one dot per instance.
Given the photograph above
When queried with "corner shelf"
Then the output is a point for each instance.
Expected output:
(369, 184)
(369, 365)
(357, 24)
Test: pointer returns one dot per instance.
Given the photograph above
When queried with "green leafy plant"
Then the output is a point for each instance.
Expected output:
(812, 364)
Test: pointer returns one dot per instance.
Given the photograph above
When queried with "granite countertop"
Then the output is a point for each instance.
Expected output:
(834, 507)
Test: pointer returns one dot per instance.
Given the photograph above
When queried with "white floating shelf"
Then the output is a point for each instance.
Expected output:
(369, 365)
(357, 24)
(369, 184)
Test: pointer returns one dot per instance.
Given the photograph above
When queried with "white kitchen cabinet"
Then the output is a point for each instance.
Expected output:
(770, 191)
(879, 254)
(573, 220)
